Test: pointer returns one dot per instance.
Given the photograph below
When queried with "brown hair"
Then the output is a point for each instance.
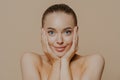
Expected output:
(59, 7)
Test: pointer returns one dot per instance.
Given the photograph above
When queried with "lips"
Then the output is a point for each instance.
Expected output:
(60, 49)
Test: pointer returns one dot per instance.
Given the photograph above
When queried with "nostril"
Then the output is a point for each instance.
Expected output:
(60, 43)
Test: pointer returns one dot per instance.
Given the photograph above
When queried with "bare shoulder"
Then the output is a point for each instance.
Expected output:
(31, 57)
(91, 59)
(94, 65)
(95, 59)
(30, 64)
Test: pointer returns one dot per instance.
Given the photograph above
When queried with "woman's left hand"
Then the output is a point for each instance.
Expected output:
(68, 56)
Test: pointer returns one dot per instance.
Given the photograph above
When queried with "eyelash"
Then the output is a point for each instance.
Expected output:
(67, 32)
(50, 32)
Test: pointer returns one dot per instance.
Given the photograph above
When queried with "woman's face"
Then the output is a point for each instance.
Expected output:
(59, 28)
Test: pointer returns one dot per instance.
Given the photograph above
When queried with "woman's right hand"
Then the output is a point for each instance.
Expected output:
(47, 50)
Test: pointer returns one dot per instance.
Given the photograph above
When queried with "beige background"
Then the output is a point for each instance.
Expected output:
(20, 23)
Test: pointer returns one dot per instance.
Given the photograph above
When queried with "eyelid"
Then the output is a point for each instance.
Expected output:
(68, 30)
(51, 30)
(62, 31)
(49, 33)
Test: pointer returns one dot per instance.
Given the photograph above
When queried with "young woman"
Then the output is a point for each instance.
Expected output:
(60, 43)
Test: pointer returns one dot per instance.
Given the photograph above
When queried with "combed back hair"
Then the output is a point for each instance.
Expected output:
(59, 8)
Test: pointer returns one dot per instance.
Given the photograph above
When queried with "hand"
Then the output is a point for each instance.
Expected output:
(68, 56)
(47, 50)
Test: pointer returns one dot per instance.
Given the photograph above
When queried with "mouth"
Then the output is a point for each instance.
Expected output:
(60, 49)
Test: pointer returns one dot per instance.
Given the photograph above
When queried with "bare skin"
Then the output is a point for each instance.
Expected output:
(61, 62)
(40, 67)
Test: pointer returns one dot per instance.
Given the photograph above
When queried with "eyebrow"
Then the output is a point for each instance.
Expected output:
(54, 28)
(67, 28)
(50, 28)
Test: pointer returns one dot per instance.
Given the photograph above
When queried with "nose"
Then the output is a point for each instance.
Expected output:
(59, 39)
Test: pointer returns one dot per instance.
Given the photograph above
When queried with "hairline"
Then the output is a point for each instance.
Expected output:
(59, 11)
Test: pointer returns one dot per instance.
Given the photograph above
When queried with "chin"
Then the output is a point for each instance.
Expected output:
(59, 53)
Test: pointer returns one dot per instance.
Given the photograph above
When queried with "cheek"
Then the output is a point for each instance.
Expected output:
(51, 40)
(68, 40)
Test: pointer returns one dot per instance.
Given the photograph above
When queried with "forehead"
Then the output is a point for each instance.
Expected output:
(58, 20)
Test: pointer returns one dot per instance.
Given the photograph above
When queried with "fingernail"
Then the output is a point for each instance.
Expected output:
(75, 29)
(43, 29)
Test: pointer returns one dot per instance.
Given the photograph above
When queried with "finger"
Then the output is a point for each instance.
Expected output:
(76, 42)
(43, 42)
(42, 36)
(74, 38)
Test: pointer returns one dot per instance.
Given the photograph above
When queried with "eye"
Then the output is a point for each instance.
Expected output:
(51, 33)
(68, 32)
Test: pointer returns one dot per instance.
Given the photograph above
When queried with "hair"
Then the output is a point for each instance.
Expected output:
(59, 8)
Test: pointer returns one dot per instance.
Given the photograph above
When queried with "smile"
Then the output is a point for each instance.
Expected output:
(60, 49)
